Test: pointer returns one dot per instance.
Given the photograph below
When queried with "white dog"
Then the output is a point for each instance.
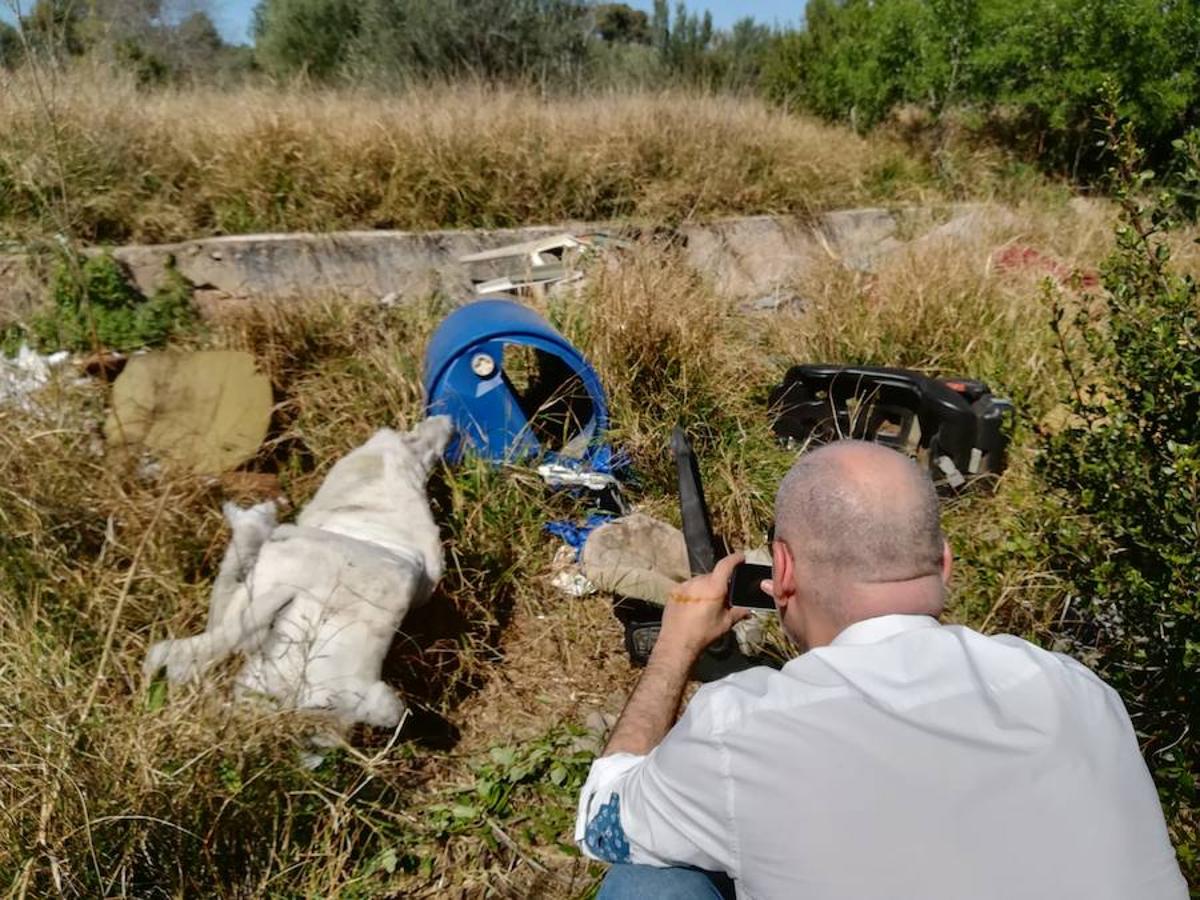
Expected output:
(314, 606)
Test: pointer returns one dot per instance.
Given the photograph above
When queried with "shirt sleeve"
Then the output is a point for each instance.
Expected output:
(672, 807)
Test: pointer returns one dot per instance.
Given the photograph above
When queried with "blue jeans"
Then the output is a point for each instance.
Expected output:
(626, 881)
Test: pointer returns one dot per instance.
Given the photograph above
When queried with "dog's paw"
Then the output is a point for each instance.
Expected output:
(156, 658)
(176, 657)
(183, 667)
(380, 707)
(260, 516)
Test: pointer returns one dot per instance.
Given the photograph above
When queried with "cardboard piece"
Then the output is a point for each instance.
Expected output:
(206, 411)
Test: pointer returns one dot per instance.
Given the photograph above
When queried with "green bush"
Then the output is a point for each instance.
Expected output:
(1128, 469)
(11, 50)
(692, 52)
(556, 44)
(96, 307)
(858, 60)
(310, 37)
(1036, 68)
(380, 39)
(133, 36)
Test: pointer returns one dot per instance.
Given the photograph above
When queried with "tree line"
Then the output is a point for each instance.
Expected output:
(1030, 74)
(159, 44)
(1027, 74)
(553, 44)
(564, 44)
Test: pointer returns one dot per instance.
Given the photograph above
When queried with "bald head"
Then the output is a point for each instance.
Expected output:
(859, 515)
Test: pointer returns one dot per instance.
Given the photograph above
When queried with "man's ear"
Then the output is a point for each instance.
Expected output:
(947, 562)
(783, 574)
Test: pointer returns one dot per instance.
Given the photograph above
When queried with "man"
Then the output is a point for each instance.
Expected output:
(896, 758)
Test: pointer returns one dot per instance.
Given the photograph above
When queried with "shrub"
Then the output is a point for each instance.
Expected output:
(96, 307)
(620, 23)
(1128, 466)
(538, 40)
(311, 37)
(858, 60)
(559, 45)
(11, 50)
(1036, 68)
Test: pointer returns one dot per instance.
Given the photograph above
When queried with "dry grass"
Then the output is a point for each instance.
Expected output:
(165, 165)
(108, 788)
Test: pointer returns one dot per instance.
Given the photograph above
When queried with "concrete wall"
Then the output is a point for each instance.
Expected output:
(755, 257)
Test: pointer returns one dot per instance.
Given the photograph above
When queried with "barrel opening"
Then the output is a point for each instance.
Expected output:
(554, 399)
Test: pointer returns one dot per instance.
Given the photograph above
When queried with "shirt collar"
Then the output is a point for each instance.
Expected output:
(880, 628)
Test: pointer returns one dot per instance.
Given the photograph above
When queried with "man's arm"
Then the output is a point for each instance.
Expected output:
(659, 808)
(695, 615)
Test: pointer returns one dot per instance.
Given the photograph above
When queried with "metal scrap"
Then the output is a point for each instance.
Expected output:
(532, 268)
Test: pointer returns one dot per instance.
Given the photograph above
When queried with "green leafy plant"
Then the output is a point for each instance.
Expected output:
(532, 785)
(518, 797)
(1031, 71)
(1128, 466)
(96, 307)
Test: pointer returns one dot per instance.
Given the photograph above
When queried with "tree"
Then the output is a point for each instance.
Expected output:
(11, 50)
(688, 38)
(536, 40)
(739, 53)
(685, 43)
(310, 37)
(416, 39)
(195, 45)
(619, 23)
(1038, 65)
(139, 36)
(660, 28)
(198, 33)
(55, 27)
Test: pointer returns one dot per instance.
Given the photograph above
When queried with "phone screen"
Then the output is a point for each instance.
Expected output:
(744, 587)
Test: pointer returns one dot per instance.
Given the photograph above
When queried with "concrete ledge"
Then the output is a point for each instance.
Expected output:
(749, 257)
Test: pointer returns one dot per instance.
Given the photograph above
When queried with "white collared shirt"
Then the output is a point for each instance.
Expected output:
(905, 760)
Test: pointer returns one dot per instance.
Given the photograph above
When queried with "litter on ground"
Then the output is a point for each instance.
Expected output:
(207, 412)
(21, 376)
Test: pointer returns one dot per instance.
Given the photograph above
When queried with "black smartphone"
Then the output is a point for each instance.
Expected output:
(745, 588)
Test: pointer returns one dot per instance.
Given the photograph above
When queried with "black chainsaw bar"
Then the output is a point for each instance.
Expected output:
(723, 656)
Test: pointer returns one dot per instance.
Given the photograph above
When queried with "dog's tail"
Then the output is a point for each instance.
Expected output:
(251, 528)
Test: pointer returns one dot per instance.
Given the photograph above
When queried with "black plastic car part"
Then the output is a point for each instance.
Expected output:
(955, 426)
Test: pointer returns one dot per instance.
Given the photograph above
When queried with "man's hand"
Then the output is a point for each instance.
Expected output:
(697, 614)
(698, 611)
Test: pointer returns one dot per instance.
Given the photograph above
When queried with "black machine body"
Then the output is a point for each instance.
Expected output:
(955, 427)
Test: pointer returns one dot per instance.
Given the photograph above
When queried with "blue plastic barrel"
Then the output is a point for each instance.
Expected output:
(560, 412)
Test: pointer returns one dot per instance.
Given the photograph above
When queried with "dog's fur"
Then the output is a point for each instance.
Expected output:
(314, 606)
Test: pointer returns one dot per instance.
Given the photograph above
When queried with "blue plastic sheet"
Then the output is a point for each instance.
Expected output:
(576, 534)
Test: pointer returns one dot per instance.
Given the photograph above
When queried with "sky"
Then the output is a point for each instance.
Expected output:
(233, 16)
